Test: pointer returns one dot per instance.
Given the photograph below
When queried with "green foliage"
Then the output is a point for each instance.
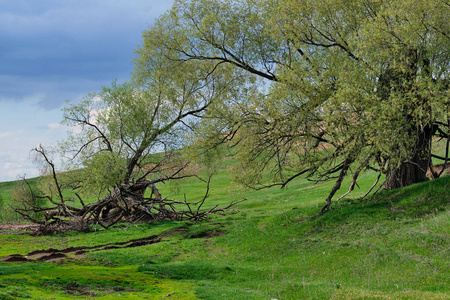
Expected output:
(116, 132)
(24, 199)
(7, 213)
(8, 200)
(104, 170)
(326, 89)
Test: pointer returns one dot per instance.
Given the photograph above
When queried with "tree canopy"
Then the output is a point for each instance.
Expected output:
(332, 88)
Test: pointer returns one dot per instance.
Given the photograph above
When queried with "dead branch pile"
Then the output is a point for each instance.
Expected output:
(125, 204)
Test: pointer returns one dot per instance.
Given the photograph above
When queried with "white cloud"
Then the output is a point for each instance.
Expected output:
(11, 166)
(97, 99)
(76, 130)
(11, 134)
(5, 134)
(24, 125)
(14, 171)
(23, 172)
(54, 125)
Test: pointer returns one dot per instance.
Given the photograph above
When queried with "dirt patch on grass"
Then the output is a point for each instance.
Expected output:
(52, 254)
(77, 289)
(74, 288)
(206, 234)
(15, 258)
(397, 209)
(175, 232)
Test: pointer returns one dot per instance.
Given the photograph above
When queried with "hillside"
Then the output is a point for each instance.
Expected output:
(391, 246)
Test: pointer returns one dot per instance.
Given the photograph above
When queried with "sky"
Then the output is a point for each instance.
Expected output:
(53, 51)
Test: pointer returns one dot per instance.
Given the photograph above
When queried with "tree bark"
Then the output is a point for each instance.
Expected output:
(337, 185)
(414, 169)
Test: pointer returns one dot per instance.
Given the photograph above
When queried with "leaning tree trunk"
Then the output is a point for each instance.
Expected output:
(414, 169)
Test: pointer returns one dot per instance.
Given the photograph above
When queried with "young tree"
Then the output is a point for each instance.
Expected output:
(124, 140)
(344, 86)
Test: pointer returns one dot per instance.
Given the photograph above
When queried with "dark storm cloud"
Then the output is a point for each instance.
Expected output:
(57, 50)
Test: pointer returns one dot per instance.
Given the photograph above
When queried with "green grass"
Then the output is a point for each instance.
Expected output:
(394, 245)
(50, 281)
(7, 191)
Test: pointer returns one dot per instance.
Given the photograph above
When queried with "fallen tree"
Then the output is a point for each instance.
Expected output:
(125, 203)
(128, 202)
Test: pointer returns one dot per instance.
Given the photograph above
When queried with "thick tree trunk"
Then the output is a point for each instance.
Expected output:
(414, 169)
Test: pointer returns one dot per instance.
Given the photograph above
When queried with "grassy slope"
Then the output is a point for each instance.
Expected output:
(393, 246)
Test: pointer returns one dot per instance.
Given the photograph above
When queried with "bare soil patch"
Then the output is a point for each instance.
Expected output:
(75, 288)
(52, 254)
(207, 234)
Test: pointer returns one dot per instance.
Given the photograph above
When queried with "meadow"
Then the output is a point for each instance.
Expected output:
(392, 245)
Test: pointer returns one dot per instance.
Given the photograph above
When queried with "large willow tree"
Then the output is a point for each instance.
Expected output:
(333, 87)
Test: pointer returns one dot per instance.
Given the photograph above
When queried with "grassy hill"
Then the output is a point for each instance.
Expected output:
(394, 245)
